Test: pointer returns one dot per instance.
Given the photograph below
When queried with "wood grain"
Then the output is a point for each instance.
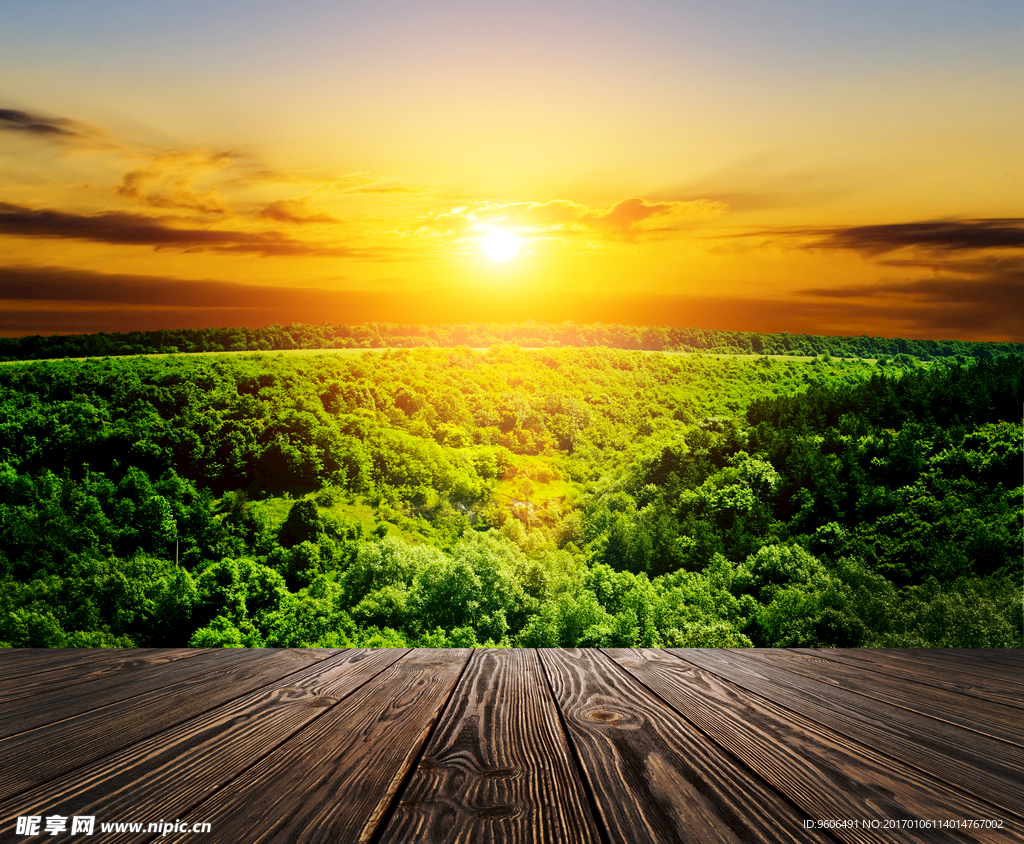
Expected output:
(107, 664)
(654, 779)
(881, 663)
(448, 746)
(498, 767)
(26, 662)
(1005, 674)
(90, 735)
(60, 703)
(985, 767)
(992, 719)
(334, 780)
(167, 774)
(820, 771)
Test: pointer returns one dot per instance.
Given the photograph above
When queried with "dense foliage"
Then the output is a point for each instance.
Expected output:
(559, 497)
(485, 335)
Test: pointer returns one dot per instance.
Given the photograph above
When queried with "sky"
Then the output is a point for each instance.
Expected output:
(787, 165)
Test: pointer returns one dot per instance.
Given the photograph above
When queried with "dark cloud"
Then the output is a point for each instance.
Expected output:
(1002, 286)
(57, 129)
(970, 296)
(972, 318)
(36, 300)
(47, 284)
(938, 235)
(121, 228)
(57, 300)
(21, 121)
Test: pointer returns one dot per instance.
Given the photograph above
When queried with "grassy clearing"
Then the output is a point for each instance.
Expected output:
(275, 510)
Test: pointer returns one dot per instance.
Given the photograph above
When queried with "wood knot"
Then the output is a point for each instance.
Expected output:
(605, 716)
(322, 701)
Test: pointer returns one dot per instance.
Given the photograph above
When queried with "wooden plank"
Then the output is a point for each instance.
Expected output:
(971, 662)
(498, 767)
(997, 656)
(335, 779)
(93, 734)
(162, 776)
(58, 704)
(653, 778)
(992, 719)
(113, 663)
(987, 767)
(880, 662)
(22, 662)
(822, 772)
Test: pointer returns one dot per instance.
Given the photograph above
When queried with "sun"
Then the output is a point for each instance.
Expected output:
(500, 245)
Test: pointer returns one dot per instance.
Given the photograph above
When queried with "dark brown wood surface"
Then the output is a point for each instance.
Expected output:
(85, 736)
(964, 684)
(991, 719)
(977, 764)
(89, 666)
(498, 766)
(1009, 671)
(517, 746)
(796, 756)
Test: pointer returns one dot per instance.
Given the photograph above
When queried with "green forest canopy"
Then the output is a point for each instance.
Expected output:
(484, 335)
(557, 497)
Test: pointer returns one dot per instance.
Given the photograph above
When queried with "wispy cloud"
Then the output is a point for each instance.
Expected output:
(56, 299)
(293, 211)
(961, 298)
(168, 181)
(59, 284)
(53, 129)
(64, 299)
(942, 235)
(360, 182)
(629, 219)
(931, 235)
(115, 227)
(12, 120)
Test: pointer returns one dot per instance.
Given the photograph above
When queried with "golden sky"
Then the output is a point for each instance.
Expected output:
(799, 165)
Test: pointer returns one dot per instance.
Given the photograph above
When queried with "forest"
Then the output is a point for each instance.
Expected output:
(573, 495)
(484, 335)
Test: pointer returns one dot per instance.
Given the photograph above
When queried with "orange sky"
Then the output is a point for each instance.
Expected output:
(795, 166)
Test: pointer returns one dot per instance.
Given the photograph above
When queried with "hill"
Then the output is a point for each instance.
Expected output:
(572, 496)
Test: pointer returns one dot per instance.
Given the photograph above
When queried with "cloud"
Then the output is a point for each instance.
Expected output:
(115, 227)
(63, 300)
(629, 219)
(981, 295)
(58, 129)
(293, 211)
(49, 127)
(59, 284)
(360, 182)
(998, 282)
(167, 181)
(933, 235)
(56, 299)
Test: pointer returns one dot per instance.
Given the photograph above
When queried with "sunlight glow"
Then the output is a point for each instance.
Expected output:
(500, 245)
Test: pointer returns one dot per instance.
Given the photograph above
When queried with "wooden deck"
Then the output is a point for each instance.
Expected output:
(561, 746)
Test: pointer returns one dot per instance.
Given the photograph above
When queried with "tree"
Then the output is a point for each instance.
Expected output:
(301, 525)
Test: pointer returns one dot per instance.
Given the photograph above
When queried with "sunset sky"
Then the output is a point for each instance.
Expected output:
(771, 165)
